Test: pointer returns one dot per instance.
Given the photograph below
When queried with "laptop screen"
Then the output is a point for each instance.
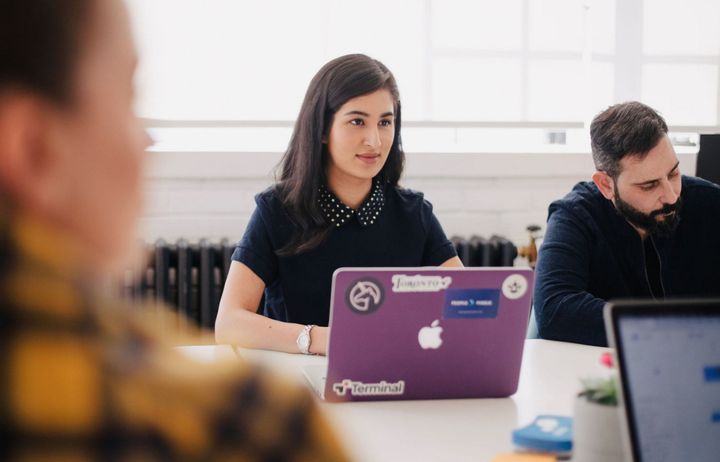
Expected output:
(670, 364)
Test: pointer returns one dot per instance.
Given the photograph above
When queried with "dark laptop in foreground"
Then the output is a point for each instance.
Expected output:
(424, 333)
(668, 356)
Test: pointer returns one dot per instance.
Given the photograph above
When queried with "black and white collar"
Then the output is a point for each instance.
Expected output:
(339, 214)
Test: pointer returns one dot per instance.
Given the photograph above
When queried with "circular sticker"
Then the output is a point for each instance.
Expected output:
(365, 296)
(514, 286)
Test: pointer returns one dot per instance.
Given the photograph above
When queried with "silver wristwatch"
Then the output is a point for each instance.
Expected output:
(303, 341)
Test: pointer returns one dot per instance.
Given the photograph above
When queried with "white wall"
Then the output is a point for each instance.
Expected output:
(196, 195)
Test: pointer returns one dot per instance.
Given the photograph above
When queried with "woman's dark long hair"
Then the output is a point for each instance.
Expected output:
(302, 170)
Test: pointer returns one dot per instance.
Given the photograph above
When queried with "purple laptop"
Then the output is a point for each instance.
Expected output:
(425, 333)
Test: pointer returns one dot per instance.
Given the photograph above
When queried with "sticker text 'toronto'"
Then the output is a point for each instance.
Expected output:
(420, 283)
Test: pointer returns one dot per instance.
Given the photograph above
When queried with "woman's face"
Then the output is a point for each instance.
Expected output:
(360, 137)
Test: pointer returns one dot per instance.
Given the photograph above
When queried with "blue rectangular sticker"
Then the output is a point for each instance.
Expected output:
(471, 303)
(712, 373)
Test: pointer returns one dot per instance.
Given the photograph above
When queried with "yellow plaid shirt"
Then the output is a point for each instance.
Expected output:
(85, 379)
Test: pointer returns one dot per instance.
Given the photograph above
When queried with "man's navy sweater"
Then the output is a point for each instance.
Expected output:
(591, 255)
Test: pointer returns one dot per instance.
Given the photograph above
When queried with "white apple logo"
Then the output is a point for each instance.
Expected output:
(429, 337)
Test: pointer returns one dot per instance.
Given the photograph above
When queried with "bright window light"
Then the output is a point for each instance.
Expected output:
(462, 66)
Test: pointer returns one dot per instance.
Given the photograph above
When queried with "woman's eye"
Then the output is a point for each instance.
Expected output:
(385, 123)
(357, 122)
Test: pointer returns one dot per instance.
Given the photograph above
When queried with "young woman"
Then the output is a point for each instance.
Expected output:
(337, 203)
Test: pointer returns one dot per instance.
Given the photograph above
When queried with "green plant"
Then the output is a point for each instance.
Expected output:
(600, 390)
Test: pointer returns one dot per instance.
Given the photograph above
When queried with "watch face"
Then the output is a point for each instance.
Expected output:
(304, 341)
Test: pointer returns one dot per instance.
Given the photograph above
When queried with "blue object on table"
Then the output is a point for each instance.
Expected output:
(548, 433)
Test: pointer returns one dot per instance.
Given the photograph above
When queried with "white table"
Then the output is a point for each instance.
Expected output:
(457, 430)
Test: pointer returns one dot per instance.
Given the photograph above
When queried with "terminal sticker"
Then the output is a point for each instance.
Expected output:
(381, 388)
(471, 303)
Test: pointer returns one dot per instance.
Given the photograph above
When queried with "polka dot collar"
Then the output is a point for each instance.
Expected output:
(339, 214)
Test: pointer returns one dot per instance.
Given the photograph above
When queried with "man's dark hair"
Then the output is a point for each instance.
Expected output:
(39, 45)
(626, 129)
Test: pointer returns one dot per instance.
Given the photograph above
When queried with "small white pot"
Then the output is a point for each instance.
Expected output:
(596, 432)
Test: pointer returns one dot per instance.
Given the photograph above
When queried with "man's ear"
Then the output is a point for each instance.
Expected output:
(23, 154)
(605, 184)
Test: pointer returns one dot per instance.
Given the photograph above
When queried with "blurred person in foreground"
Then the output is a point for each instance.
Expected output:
(82, 377)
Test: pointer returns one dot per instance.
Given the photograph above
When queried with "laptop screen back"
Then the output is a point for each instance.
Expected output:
(670, 368)
(427, 333)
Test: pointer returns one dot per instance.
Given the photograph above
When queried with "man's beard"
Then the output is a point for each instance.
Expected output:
(648, 221)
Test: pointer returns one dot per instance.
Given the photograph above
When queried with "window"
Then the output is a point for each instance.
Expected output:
(462, 66)
(681, 58)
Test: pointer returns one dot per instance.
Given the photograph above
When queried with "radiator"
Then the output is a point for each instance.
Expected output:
(479, 251)
(189, 277)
